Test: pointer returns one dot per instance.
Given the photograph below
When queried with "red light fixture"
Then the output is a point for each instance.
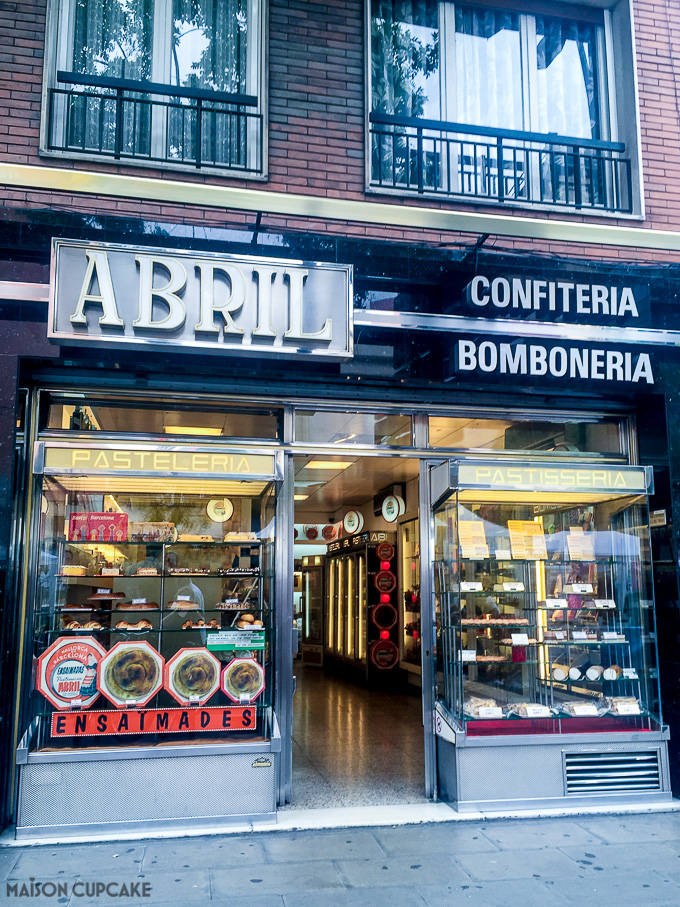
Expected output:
(384, 634)
(384, 565)
(385, 598)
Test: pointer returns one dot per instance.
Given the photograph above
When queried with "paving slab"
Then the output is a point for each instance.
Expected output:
(356, 897)
(632, 888)
(409, 871)
(342, 845)
(518, 864)
(512, 893)
(8, 859)
(620, 857)
(85, 860)
(630, 829)
(202, 853)
(445, 838)
(538, 833)
(261, 879)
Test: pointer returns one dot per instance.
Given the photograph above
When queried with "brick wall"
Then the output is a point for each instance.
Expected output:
(316, 124)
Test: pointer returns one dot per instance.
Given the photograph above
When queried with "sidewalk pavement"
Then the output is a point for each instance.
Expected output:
(612, 859)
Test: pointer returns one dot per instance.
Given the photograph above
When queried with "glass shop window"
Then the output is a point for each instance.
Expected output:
(568, 438)
(516, 103)
(168, 81)
(219, 423)
(328, 427)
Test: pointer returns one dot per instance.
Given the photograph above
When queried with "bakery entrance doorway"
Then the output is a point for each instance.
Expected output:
(358, 735)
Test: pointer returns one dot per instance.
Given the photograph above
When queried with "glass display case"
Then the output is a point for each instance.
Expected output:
(409, 549)
(361, 615)
(151, 614)
(312, 606)
(544, 604)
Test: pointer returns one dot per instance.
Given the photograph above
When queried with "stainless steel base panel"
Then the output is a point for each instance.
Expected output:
(173, 791)
(494, 773)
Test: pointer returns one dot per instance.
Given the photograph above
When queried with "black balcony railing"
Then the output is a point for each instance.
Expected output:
(126, 119)
(454, 160)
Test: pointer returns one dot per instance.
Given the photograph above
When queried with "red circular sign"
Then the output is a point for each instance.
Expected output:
(384, 654)
(385, 581)
(67, 672)
(385, 551)
(384, 616)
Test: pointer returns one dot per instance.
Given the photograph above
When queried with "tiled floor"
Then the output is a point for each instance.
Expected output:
(353, 746)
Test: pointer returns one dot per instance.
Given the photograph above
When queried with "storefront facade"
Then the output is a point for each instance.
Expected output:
(523, 392)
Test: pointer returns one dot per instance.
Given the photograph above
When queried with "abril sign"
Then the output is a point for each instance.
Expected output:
(157, 298)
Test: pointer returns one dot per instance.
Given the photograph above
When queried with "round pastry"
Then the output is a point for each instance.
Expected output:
(195, 674)
(132, 673)
(243, 625)
(243, 677)
(122, 625)
(139, 606)
(214, 623)
(257, 623)
(188, 625)
(182, 605)
(108, 595)
(249, 618)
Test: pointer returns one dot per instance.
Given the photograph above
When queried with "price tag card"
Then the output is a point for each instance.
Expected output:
(610, 636)
(470, 587)
(605, 603)
(627, 708)
(560, 634)
(580, 544)
(490, 712)
(503, 554)
(555, 603)
(183, 598)
(519, 639)
(583, 709)
(230, 640)
(579, 634)
(468, 655)
(513, 587)
(581, 588)
(473, 538)
(538, 711)
(630, 674)
(138, 601)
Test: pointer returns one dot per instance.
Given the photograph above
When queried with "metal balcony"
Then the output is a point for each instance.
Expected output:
(476, 163)
(124, 119)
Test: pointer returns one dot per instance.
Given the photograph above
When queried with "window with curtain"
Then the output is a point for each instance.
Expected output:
(491, 68)
(208, 51)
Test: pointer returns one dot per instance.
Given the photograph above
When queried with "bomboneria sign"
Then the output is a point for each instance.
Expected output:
(573, 327)
(105, 294)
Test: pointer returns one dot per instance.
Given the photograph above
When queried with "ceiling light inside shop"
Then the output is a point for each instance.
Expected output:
(300, 497)
(156, 485)
(191, 430)
(329, 464)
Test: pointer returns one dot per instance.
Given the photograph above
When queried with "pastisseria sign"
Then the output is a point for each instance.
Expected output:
(122, 295)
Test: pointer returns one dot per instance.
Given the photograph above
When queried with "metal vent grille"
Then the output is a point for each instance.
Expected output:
(601, 773)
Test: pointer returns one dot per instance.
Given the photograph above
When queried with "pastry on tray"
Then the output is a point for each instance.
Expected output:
(201, 625)
(138, 606)
(243, 678)
(181, 604)
(142, 624)
(131, 672)
(102, 595)
(195, 673)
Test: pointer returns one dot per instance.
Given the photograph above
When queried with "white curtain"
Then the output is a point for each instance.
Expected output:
(566, 76)
(210, 51)
(111, 38)
(488, 68)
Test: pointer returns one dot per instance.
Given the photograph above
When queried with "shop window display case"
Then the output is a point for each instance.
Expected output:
(152, 642)
(409, 549)
(545, 633)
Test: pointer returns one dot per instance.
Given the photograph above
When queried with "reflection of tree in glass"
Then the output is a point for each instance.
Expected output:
(404, 64)
(113, 38)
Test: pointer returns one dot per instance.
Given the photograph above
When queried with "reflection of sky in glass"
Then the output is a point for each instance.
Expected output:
(190, 44)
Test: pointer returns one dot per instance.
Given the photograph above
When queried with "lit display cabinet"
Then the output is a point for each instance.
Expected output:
(151, 629)
(409, 550)
(546, 662)
(361, 625)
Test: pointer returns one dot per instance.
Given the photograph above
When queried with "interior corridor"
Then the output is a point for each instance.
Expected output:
(353, 746)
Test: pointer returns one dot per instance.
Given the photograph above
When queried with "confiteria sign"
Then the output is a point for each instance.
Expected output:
(121, 295)
(570, 307)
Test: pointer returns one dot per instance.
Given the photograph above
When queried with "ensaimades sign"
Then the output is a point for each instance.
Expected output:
(156, 298)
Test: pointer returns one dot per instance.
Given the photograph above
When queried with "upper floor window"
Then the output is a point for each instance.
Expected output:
(172, 81)
(490, 102)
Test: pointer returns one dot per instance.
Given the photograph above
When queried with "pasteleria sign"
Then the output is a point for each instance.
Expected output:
(106, 294)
